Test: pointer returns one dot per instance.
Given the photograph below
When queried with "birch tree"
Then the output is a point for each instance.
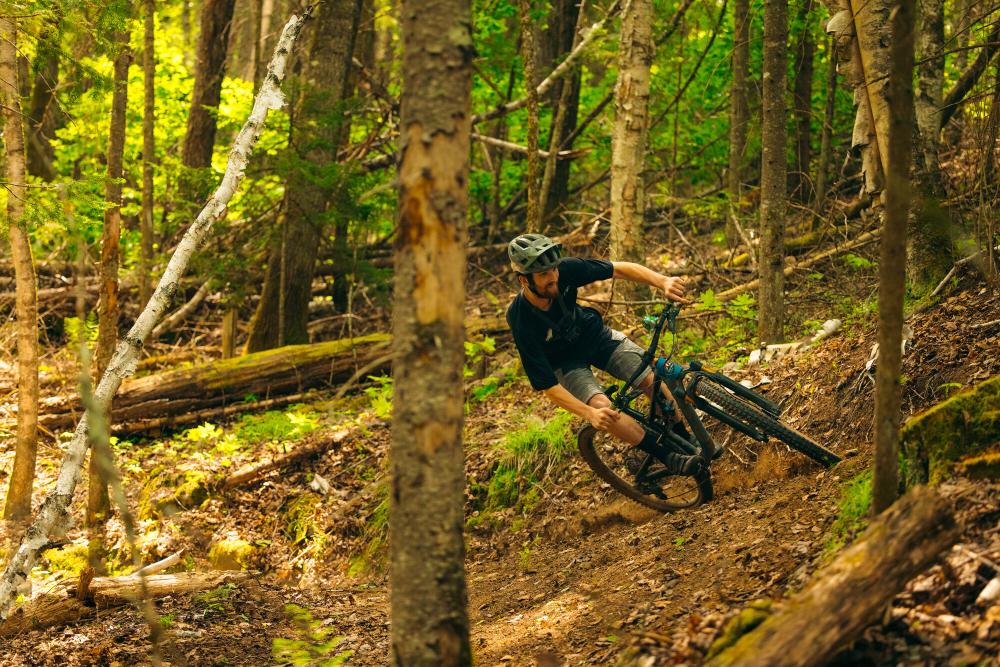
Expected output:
(428, 597)
(53, 515)
(18, 504)
(628, 138)
(773, 173)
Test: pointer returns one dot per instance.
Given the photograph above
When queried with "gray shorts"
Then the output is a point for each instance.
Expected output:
(579, 380)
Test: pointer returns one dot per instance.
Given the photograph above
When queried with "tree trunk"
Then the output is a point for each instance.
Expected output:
(282, 315)
(930, 250)
(199, 141)
(825, 150)
(53, 515)
(805, 51)
(148, 150)
(18, 504)
(739, 111)
(428, 597)
(892, 262)
(529, 54)
(628, 139)
(98, 502)
(568, 18)
(773, 176)
(41, 121)
(852, 592)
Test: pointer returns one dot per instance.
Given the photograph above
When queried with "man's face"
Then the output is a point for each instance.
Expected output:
(547, 282)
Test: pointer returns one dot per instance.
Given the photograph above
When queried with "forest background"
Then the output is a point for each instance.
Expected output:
(130, 109)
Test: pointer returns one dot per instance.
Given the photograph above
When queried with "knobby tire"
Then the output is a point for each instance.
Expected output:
(586, 444)
(753, 416)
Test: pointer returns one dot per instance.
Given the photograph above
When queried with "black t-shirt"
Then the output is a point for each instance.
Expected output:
(549, 340)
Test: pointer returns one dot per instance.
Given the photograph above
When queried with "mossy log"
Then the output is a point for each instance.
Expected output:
(179, 397)
(70, 602)
(851, 592)
(966, 424)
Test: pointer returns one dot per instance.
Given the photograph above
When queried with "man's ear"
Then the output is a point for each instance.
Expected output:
(523, 280)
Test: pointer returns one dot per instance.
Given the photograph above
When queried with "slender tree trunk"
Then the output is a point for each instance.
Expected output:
(892, 261)
(804, 54)
(930, 249)
(282, 315)
(567, 91)
(263, 36)
(529, 53)
(98, 502)
(18, 504)
(773, 177)
(53, 515)
(825, 151)
(148, 150)
(428, 598)
(199, 141)
(628, 139)
(739, 110)
(41, 122)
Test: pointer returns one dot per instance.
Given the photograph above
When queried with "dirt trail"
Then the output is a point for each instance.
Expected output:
(591, 576)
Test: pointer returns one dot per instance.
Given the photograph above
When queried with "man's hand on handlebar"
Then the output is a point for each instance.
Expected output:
(674, 288)
(603, 418)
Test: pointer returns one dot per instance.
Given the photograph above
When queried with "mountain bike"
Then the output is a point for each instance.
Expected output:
(646, 478)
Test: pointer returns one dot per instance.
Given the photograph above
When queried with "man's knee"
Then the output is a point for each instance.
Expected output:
(600, 400)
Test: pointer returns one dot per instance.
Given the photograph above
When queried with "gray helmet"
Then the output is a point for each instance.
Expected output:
(533, 253)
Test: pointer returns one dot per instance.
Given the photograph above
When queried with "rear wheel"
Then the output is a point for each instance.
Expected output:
(758, 419)
(610, 458)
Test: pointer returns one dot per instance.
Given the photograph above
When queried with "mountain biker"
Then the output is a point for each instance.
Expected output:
(559, 341)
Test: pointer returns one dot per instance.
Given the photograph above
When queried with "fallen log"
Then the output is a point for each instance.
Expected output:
(180, 396)
(798, 265)
(850, 593)
(73, 600)
(251, 473)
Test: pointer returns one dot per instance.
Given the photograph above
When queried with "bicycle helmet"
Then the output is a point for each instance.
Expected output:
(533, 253)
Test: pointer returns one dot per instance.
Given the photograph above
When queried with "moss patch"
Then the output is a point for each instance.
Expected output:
(966, 423)
(231, 554)
(70, 559)
(164, 494)
(983, 466)
(756, 613)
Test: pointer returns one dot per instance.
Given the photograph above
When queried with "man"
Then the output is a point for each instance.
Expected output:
(559, 340)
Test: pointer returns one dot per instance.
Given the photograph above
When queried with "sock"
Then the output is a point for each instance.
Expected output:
(649, 444)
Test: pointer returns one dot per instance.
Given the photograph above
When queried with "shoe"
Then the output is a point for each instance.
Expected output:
(634, 460)
(679, 464)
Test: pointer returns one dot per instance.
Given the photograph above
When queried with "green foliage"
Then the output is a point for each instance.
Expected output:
(527, 458)
(857, 262)
(290, 424)
(218, 600)
(71, 559)
(80, 331)
(476, 353)
(380, 395)
(734, 331)
(376, 534)
(302, 521)
(852, 515)
(313, 645)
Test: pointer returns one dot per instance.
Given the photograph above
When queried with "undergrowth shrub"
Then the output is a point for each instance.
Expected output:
(312, 644)
(852, 515)
(375, 534)
(527, 457)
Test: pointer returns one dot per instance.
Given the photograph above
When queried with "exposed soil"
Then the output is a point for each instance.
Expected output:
(589, 578)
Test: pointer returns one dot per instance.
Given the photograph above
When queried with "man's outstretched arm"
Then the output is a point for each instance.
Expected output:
(672, 286)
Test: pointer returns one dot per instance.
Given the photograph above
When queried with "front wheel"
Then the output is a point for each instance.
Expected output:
(753, 416)
(610, 459)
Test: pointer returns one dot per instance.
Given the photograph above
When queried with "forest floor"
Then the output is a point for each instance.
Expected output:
(578, 575)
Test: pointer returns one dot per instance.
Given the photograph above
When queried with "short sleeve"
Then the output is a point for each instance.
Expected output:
(536, 365)
(577, 272)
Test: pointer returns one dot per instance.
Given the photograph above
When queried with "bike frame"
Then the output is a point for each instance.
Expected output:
(681, 383)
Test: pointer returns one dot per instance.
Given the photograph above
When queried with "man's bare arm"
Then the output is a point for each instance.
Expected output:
(673, 287)
(600, 418)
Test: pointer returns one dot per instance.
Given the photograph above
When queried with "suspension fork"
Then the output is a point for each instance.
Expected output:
(673, 376)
